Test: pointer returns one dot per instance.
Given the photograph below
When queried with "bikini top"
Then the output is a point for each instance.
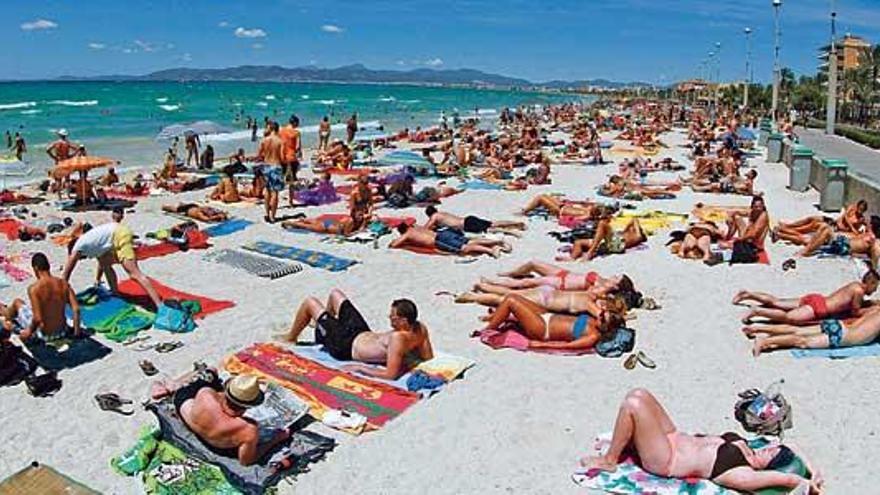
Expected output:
(729, 456)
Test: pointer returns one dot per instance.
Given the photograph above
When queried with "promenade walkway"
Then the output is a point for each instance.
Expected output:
(862, 159)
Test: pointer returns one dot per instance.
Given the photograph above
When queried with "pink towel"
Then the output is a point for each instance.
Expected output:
(511, 339)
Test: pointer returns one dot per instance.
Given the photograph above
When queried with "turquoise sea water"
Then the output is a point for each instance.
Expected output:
(121, 119)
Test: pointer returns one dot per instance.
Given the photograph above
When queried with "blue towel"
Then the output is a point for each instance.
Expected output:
(227, 227)
(316, 259)
(840, 352)
(480, 185)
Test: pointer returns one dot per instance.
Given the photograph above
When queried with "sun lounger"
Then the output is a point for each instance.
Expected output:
(256, 265)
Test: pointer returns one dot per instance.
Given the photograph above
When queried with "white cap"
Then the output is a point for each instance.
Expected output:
(62, 132)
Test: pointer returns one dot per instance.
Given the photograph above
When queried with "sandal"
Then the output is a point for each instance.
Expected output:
(645, 360)
(112, 402)
(650, 304)
(166, 347)
(148, 368)
(789, 264)
(135, 340)
(631, 361)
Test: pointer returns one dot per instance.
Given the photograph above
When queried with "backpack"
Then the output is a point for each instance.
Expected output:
(15, 365)
(764, 414)
(623, 341)
(174, 317)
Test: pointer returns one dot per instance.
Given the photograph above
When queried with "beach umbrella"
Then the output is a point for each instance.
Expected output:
(407, 159)
(10, 166)
(81, 164)
(198, 127)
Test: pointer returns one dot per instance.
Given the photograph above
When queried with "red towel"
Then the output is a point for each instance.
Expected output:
(10, 227)
(196, 239)
(133, 291)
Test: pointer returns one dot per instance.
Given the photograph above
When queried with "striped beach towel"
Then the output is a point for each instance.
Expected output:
(256, 265)
(315, 259)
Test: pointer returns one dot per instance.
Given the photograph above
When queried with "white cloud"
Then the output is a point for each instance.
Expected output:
(434, 62)
(223, 24)
(241, 32)
(37, 25)
(186, 57)
(257, 46)
(144, 46)
(401, 62)
(96, 46)
(332, 28)
(127, 50)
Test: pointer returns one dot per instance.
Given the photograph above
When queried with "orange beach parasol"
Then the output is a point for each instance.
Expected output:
(81, 164)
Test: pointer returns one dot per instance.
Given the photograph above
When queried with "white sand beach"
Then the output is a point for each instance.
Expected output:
(517, 422)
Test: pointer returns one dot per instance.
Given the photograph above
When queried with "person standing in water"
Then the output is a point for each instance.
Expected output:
(324, 134)
(291, 152)
(351, 127)
(19, 146)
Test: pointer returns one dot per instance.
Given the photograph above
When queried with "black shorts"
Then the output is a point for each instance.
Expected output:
(337, 333)
(190, 390)
(476, 225)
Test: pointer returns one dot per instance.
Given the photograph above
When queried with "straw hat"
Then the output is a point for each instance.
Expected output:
(244, 391)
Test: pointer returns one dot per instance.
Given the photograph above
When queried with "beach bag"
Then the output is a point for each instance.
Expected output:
(623, 341)
(397, 200)
(43, 385)
(15, 365)
(744, 252)
(174, 317)
(763, 413)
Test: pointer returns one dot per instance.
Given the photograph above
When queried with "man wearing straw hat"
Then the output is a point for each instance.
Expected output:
(61, 149)
(215, 413)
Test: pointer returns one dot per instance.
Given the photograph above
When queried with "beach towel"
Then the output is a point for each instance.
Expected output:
(508, 338)
(315, 259)
(10, 227)
(630, 478)
(195, 239)
(102, 206)
(391, 222)
(228, 227)
(651, 221)
(256, 265)
(66, 353)
(4, 280)
(303, 448)
(322, 387)
(322, 194)
(480, 185)
(13, 265)
(132, 291)
(425, 250)
(717, 213)
(42, 479)
(446, 367)
(840, 352)
(109, 315)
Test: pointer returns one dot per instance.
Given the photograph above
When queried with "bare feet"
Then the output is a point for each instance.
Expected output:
(749, 331)
(758, 346)
(748, 318)
(465, 297)
(600, 462)
(496, 252)
(740, 296)
(506, 247)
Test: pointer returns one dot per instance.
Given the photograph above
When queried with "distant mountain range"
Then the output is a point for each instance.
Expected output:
(356, 73)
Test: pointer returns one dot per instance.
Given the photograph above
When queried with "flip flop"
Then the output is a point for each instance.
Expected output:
(631, 361)
(789, 264)
(112, 402)
(445, 293)
(144, 348)
(166, 347)
(148, 368)
(645, 360)
(135, 340)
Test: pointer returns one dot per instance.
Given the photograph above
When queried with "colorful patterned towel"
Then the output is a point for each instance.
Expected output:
(110, 315)
(480, 185)
(227, 227)
(323, 388)
(316, 259)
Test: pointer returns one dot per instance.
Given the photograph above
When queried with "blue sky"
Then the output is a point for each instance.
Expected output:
(649, 40)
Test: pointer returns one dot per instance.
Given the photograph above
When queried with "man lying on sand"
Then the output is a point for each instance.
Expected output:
(847, 300)
(449, 241)
(43, 318)
(607, 240)
(825, 240)
(197, 212)
(665, 451)
(344, 333)
(829, 334)
(731, 185)
(546, 330)
(851, 220)
(110, 244)
(214, 411)
(470, 224)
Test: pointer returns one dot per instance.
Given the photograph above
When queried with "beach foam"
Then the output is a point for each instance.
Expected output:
(74, 103)
(161, 100)
(16, 106)
(170, 108)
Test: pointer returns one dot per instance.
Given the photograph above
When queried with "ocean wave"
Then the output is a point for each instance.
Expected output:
(411, 101)
(16, 106)
(269, 97)
(327, 102)
(262, 104)
(74, 103)
(387, 99)
(30, 112)
(170, 108)
(227, 136)
(305, 97)
(161, 100)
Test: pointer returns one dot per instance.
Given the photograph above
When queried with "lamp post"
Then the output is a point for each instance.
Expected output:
(748, 78)
(831, 105)
(775, 105)
(718, 72)
(710, 100)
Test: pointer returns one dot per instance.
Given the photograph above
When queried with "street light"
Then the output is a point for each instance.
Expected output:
(831, 105)
(718, 71)
(777, 4)
(748, 78)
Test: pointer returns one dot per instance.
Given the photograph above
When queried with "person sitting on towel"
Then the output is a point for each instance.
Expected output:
(215, 413)
(847, 300)
(226, 190)
(110, 244)
(607, 240)
(196, 212)
(344, 333)
(470, 223)
(828, 334)
(447, 240)
(727, 460)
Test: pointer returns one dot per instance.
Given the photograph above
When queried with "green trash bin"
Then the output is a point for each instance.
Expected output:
(799, 168)
(764, 131)
(832, 195)
(774, 147)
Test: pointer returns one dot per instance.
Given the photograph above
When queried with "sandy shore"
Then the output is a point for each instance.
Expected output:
(516, 423)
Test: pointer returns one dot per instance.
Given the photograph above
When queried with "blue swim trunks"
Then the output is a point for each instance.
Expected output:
(839, 246)
(274, 178)
(451, 241)
(834, 330)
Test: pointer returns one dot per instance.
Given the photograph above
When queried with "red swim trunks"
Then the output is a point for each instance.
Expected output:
(817, 302)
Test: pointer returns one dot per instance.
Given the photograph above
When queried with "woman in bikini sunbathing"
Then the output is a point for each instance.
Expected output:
(828, 334)
(727, 459)
(196, 212)
(561, 279)
(343, 226)
(547, 330)
(558, 206)
(553, 300)
(696, 241)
